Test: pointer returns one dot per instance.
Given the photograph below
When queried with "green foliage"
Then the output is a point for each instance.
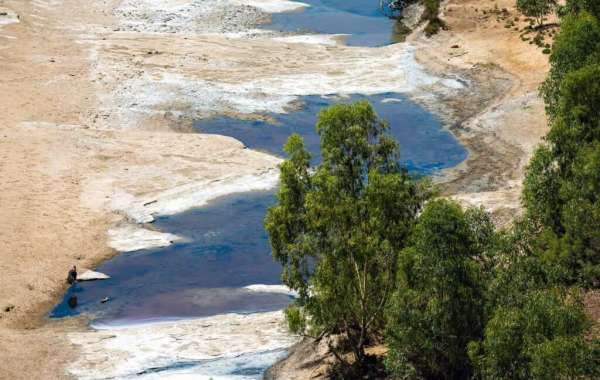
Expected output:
(564, 358)
(576, 46)
(535, 331)
(578, 248)
(540, 339)
(452, 297)
(537, 9)
(562, 182)
(577, 6)
(432, 8)
(431, 16)
(438, 306)
(578, 114)
(540, 188)
(434, 26)
(337, 230)
(515, 268)
(295, 319)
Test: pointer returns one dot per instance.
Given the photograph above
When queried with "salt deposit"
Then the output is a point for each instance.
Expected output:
(127, 237)
(123, 351)
(273, 6)
(319, 39)
(180, 198)
(7, 17)
(392, 69)
(90, 275)
(262, 288)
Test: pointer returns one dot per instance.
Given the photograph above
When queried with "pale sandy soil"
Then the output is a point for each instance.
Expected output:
(502, 136)
(60, 178)
(91, 92)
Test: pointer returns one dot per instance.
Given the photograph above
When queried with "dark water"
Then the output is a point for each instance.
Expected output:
(424, 145)
(362, 20)
(225, 245)
(225, 248)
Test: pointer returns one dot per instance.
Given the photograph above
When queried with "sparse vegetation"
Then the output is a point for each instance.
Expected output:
(537, 9)
(431, 17)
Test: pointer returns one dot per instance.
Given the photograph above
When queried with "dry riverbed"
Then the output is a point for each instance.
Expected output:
(96, 99)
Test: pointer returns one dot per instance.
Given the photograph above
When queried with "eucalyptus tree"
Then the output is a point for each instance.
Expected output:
(438, 306)
(337, 229)
(578, 6)
(537, 9)
(562, 182)
(542, 337)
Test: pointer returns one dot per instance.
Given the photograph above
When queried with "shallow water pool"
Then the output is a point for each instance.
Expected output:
(425, 146)
(361, 20)
(225, 248)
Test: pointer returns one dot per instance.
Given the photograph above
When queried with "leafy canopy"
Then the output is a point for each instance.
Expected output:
(337, 229)
(542, 338)
(562, 180)
(536, 8)
(437, 308)
(578, 6)
(576, 46)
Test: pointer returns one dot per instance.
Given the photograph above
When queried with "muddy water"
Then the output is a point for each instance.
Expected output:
(363, 23)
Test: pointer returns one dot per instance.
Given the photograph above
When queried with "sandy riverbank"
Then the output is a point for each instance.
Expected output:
(68, 175)
(501, 132)
(91, 96)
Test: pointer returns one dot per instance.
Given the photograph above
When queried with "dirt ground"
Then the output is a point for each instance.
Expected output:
(43, 228)
(501, 133)
(50, 158)
(78, 116)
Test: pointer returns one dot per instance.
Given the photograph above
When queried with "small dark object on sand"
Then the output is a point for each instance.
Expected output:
(72, 302)
(72, 276)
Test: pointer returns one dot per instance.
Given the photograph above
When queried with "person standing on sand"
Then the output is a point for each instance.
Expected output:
(72, 276)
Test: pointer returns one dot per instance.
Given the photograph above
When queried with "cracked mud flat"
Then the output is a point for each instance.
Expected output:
(91, 95)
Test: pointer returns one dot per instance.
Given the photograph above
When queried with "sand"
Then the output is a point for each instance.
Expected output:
(501, 134)
(63, 180)
(96, 99)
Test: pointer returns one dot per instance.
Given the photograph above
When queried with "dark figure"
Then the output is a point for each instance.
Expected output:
(72, 302)
(72, 277)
